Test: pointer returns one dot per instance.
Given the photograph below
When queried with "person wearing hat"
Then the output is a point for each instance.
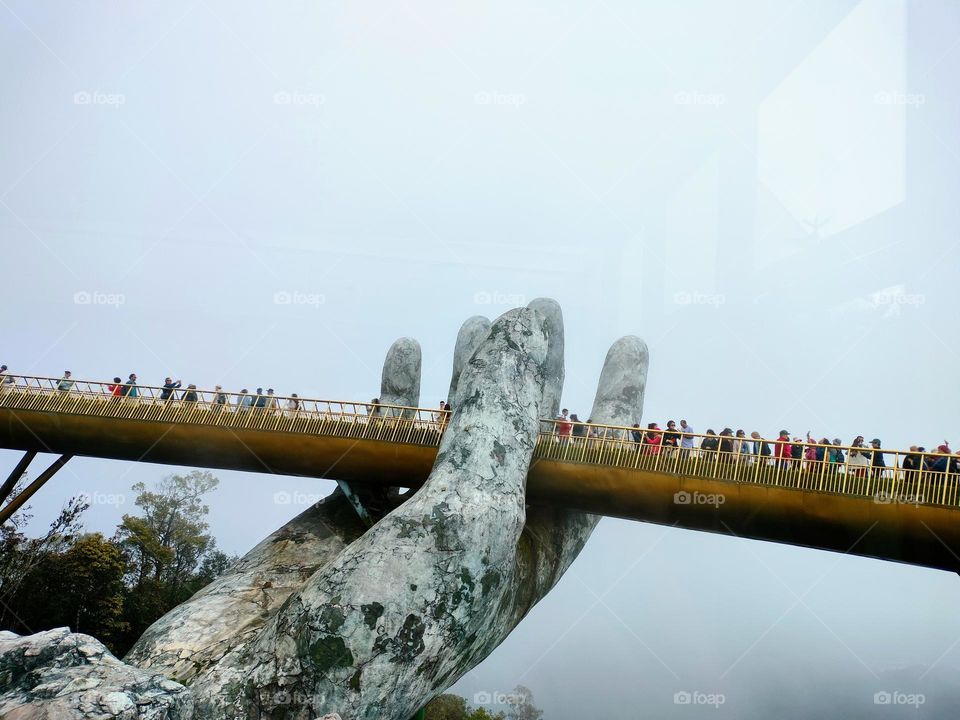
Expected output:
(65, 382)
(836, 455)
(783, 451)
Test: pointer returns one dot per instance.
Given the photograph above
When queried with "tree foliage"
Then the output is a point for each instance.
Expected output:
(111, 588)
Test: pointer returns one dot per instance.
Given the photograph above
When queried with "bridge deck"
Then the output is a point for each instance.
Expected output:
(890, 514)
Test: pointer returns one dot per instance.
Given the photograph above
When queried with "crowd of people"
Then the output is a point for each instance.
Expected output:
(729, 445)
(173, 390)
(784, 451)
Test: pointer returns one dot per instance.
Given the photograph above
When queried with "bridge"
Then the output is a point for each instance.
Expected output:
(895, 514)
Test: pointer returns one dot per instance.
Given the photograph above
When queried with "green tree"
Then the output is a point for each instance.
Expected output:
(447, 707)
(482, 714)
(20, 555)
(169, 539)
(81, 588)
(171, 553)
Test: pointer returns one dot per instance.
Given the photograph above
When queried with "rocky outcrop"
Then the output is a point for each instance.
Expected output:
(60, 675)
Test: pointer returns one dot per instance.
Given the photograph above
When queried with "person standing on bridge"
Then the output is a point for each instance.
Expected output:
(686, 437)
(671, 438)
(859, 457)
(292, 408)
(8, 381)
(219, 398)
(271, 404)
(710, 443)
(579, 429)
(877, 462)
(116, 388)
(761, 448)
(190, 395)
(653, 439)
(130, 389)
(564, 427)
(260, 402)
(447, 412)
(66, 383)
(167, 393)
(244, 401)
(836, 453)
(784, 451)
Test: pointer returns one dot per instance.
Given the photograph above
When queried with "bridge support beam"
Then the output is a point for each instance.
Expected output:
(17, 473)
(355, 503)
(20, 500)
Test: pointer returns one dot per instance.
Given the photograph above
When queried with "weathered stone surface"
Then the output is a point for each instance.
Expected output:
(400, 380)
(434, 569)
(553, 381)
(233, 608)
(623, 383)
(473, 331)
(65, 676)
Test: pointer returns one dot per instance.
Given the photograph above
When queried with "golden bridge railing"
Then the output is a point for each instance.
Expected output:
(909, 477)
(371, 421)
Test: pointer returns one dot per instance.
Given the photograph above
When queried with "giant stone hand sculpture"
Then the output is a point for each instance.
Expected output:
(327, 616)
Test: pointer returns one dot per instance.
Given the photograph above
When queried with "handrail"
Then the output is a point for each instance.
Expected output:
(913, 477)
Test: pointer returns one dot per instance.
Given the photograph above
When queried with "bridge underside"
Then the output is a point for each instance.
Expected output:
(922, 535)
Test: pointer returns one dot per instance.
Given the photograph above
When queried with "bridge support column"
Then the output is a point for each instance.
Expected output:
(20, 500)
(355, 503)
(17, 473)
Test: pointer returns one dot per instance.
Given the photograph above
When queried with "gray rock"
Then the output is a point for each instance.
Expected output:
(234, 608)
(64, 675)
(400, 380)
(473, 331)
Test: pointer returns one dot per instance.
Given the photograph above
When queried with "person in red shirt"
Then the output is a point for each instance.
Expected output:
(653, 440)
(564, 426)
(116, 388)
(783, 449)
